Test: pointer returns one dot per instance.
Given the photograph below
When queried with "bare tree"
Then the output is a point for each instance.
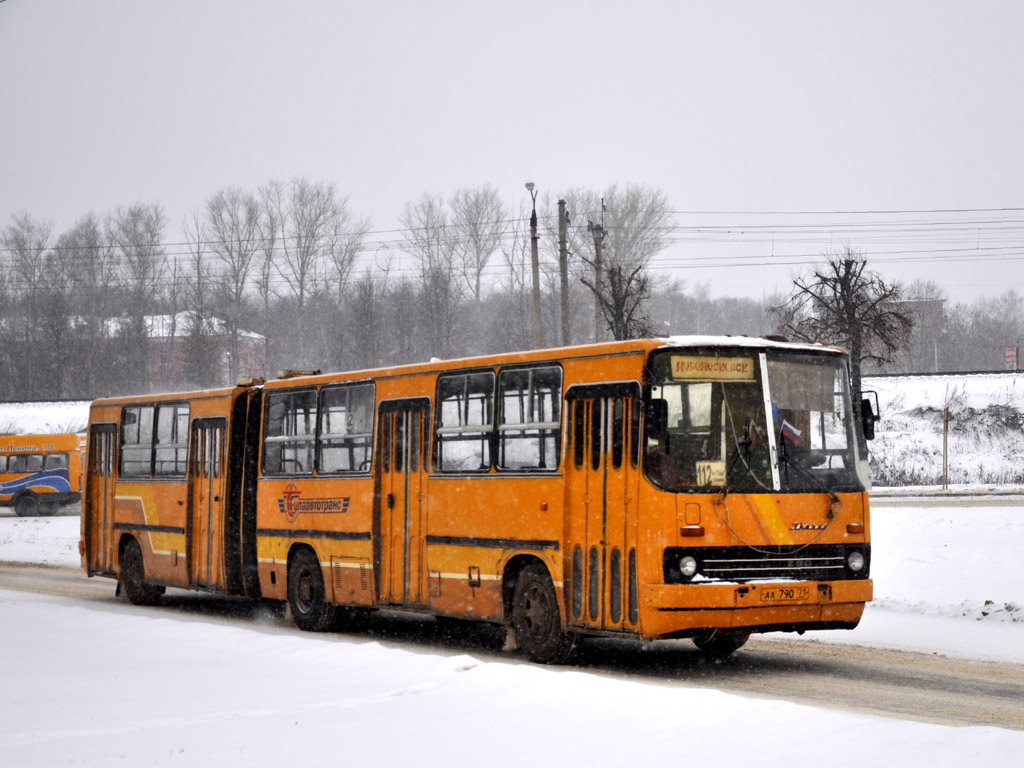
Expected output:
(26, 242)
(843, 302)
(201, 363)
(618, 231)
(978, 334)
(480, 220)
(317, 241)
(318, 237)
(621, 301)
(90, 267)
(367, 318)
(233, 234)
(136, 235)
(432, 242)
(269, 236)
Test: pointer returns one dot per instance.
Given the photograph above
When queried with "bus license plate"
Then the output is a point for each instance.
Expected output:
(784, 594)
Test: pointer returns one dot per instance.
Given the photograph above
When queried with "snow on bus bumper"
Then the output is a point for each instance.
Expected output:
(672, 609)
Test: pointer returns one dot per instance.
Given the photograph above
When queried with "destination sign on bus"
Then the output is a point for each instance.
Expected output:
(28, 448)
(697, 368)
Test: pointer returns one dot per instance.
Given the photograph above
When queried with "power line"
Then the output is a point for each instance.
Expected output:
(981, 235)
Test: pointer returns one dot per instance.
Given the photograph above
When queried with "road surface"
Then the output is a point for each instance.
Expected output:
(890, 683)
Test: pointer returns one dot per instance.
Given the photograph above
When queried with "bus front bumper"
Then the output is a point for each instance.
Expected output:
(675, 609)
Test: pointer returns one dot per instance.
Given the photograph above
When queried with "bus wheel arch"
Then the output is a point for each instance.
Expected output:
(307, 592)
(534, 613)
(132, 573)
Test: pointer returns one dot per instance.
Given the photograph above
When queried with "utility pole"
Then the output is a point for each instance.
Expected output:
(598, 232)
(563, 268)
(535, 265)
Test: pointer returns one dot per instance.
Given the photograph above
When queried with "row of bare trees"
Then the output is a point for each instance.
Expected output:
(89, 311)
(291, 269)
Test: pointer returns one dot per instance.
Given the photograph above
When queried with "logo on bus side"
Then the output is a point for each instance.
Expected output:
(292, 504)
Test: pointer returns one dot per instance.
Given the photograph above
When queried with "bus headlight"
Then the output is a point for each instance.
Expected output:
(855, 561)
(687, 567)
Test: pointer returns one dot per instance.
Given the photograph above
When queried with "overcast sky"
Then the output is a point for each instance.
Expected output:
(778, 131)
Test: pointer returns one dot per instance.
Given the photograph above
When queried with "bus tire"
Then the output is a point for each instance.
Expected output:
(133, 577)
(536, 619)
(720, 645)
(307, 597)
(27, 505)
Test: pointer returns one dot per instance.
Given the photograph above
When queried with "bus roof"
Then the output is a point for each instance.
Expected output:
(166, 396)
(633, 346)
(554, 354)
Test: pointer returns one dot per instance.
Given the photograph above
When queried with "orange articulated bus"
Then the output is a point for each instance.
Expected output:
(40, 473)
(701, 487)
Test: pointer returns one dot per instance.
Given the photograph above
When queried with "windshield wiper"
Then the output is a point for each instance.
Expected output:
(815, 483)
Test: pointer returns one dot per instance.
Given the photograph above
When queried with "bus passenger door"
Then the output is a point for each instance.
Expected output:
(602, 476)
(98, 522)
(206, 499)
(400, 505)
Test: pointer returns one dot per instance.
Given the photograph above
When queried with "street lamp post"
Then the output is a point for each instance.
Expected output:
(535, 265)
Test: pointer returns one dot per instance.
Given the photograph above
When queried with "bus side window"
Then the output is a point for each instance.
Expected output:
(171, 439)
(346, 428)
(136, 441)
(464, 422)
(530, 418)
(55, 461)
(289, 432)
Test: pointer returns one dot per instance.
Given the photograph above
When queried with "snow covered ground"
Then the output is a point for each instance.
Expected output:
(985, 433)
(44, 417)
(101, 683)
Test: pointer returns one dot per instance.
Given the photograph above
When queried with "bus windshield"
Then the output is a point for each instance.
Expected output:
(706, 422)
(713, 423)
(813, 422)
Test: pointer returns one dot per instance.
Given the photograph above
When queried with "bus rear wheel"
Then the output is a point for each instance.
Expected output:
(133, 577)
(27, 505)
(720, 645)
(307, 597)
(536, 619)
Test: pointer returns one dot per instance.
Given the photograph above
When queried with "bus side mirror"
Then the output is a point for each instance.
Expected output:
(656, 418)
(868, 417)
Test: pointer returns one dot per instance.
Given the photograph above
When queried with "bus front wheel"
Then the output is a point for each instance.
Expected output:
(26, 505)
(307, 597)
(720, 645)
(536, 620)
(133, 577)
